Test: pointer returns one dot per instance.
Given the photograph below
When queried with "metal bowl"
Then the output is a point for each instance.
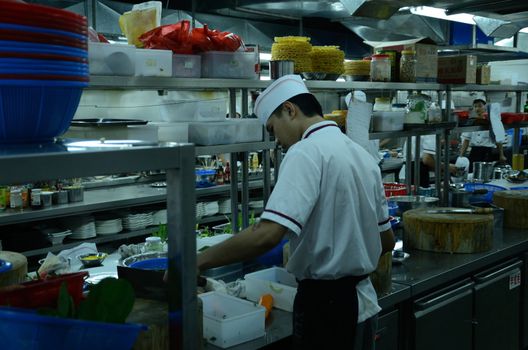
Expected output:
(412, 202)
(143, 256)
(92, 260)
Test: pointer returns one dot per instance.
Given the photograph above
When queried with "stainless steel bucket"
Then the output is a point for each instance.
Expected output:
(483, 171)
(280, 68)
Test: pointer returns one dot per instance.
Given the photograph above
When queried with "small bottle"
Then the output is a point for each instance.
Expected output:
(254, 162)
(15, 198)
(153, 244)
(219, 178)
(227, 174)
(25, 197)
(36, 203)
(380, 68)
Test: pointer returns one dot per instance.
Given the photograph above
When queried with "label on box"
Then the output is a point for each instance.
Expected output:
(515, 280)
(188, 65)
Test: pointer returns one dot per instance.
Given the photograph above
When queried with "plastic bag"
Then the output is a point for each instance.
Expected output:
(143, 18)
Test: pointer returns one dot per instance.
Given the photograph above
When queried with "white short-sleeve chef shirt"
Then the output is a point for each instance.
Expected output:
(330, 196)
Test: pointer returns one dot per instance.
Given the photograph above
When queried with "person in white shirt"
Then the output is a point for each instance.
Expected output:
(329, 200)
(482, 145)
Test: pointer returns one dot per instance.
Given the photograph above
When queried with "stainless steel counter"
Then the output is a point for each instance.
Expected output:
(423, 271)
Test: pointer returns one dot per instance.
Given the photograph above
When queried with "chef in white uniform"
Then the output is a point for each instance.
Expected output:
(329, 201)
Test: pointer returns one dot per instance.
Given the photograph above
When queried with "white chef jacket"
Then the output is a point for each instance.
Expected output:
(330, 196)
(427, 145)
(478, 138)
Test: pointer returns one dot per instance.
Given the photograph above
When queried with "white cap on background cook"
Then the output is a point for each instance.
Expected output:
(278, 92)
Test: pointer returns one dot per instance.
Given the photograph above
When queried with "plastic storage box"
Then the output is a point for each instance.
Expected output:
(275, 281)
(387, 121)
(248, 130)
(228, 321)
(110, 59)
(186, 66)
(153, 63)
(194, 110)
(238, 65)
(212, 133)
(24, 329)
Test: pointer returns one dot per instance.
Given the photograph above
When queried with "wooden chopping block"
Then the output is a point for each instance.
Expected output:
(515, 205)
(18, 272)
(448, 233)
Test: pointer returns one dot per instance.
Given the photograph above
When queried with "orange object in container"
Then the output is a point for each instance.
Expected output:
(266, 300)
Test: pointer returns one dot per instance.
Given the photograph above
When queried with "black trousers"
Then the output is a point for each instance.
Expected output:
(325, 314)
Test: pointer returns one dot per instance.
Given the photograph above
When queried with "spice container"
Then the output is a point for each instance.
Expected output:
(15, 198)
(35, 198)
(75, 194)
(393, 58)
(380, 68)
(60, 197)
(25, 197)
(4, 192)
(408, 66)
(382, 104)
(46, 198)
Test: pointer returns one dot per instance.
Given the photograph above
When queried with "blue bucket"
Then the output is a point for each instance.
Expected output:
(5, 266)
(151, 264)
(488, 197)
(25, 329)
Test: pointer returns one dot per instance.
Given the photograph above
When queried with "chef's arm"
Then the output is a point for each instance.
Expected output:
(464, 147)
(502, 157)
(429, 161)
(247, 244)
(387, 241)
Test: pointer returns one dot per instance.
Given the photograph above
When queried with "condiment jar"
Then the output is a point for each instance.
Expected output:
(15, 198)
(380, 68)
(408, 66)
(35, 198)
(382, 104)
(153, 244)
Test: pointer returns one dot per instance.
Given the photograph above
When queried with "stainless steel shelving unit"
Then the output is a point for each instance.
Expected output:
(43, 162)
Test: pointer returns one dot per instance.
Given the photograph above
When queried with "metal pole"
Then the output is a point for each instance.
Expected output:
(278, 159)
(438, 162)
(408, 160)
(245, 103)
(245, 189)
(445, 197)
(181, 204)
(516, 130)
(232, 103)
(234, 192)
(266, 167)
(417, 162)
(193, 14)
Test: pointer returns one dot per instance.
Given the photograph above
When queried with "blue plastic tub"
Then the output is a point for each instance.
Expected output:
(5, 266)
(36, 111)
(42, 30)
(31, 62)
(151, 264)
(26, 330)
(272, 257)
(21, 47)
(488, 197)
(34, 71)
(520, 188)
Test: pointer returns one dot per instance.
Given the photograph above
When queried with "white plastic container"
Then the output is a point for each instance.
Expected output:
(153, 63)
(189, 111)
(387, 121)
(172, 132)
(186, 66)
(238, 65)
(275, 281)
(229, 321)
(248, 130)
(111, 59)
(212, 133)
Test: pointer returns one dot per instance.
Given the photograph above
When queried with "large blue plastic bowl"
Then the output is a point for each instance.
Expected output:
(17, 46)
(34, 63)
(36, 111)
(151, 264)
(78, 73)
(488, 197)
(25, 329)
(42, 30)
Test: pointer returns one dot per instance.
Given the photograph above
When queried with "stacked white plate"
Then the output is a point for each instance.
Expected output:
(159, 217)
(211, 208)
(200, 210)
(137, 221)
(108, 226)
(82, 227)
(224, 206)
(55, 235)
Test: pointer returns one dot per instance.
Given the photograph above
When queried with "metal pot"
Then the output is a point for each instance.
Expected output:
(460, 197)
(483, 171)
(412, 202)
(280, 68)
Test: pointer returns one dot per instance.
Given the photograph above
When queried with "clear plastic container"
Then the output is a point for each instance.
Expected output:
(153, 245)
(408, 66)
(380, 68)
(417, 109)
(382, 104)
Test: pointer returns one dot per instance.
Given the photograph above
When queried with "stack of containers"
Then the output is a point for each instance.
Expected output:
(43, 69)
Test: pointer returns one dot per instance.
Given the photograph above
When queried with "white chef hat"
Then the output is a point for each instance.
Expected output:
(278, 92)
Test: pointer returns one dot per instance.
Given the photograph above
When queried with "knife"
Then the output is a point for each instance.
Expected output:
(461, 211)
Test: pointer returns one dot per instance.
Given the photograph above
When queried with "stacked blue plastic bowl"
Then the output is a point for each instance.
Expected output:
(43, 69)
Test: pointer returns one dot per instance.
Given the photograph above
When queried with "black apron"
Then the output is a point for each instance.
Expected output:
(325, 313)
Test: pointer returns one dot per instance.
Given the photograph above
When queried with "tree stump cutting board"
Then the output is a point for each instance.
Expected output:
(448, 233)
(515, 205)
(18, 272)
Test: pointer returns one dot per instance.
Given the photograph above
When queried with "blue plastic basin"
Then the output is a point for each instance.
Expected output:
(151, 264)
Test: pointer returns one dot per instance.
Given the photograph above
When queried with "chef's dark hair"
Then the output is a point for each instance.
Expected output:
(307, 103)
(479, 100)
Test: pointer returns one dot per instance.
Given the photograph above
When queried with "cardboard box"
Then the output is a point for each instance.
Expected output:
(483, 74)
(457, 69)
(426, 55)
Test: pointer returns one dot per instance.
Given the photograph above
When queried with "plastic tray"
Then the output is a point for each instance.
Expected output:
(228, 321)
(109, 59)
(24, 329)
(220, 64)
(275, 281)
(212, 133)
(488, 197)
(186, 66)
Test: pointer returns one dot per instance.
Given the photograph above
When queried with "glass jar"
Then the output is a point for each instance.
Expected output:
(153, 244)
(393, 58)
(382, 104)
(408, 66)
(35, 198)
(380, 68)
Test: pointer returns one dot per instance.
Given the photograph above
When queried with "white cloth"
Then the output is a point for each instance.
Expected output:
(427, 145)
(278, 92)
(330, 196)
